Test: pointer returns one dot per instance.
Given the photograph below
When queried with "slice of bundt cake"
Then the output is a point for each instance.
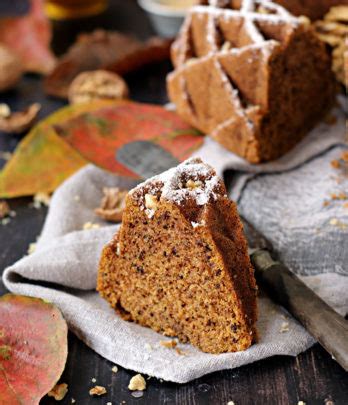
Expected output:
(252, 76)
(179, 263)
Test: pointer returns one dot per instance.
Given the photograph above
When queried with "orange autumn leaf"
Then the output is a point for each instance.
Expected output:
(98, 134)
(33, 348)
(42, 160)
(29, 37)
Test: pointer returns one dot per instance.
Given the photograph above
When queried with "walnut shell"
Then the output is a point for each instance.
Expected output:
(97, 85)
(19, 121)
(11, 69)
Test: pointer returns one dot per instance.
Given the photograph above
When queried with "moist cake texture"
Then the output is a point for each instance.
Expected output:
(251, 75)
(179, 263)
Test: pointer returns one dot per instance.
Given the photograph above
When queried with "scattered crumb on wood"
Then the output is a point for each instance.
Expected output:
(41, 199)
(114, 369)
(137, 383)
(169, 344)
(4, 209)
(97, 390)
(230, 403)
(301, 403)
(5, 221)
(5, 155)
(31, 248)
(94, 380)
(58, 392)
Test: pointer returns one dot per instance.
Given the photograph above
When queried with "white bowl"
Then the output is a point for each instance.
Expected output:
(166, 20)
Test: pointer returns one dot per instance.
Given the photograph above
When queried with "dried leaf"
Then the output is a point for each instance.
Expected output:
(106, 50)
(19, 121)
(33, 348)
(99, 134)
(42, 160)
(29, 37)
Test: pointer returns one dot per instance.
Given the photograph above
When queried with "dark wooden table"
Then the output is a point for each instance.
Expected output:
(312, 377)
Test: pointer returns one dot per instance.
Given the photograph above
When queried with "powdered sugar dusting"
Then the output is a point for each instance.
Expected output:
(192, 179)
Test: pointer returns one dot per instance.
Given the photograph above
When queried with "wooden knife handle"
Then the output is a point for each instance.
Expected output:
(320, 320)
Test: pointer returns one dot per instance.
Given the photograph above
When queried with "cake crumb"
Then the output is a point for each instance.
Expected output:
(90, 225)
(230, 403)
(148, 347)
(31, 248)
(284, 327)
(333, 221)
(169, 344)
(180, 352)
(109, 403)
(335, 164)
(5, 221)
(41, 199)
(58, 392)
(137, 383)
(301, 403)
(4, 209)
(339, 196)
(97, 390)
(114, 369)
(73, 400)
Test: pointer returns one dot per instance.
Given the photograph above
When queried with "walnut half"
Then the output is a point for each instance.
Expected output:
(97, 85)
(18, 121)
(112, 204)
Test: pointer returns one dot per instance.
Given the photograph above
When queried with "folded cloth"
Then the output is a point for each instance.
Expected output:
(287, 207)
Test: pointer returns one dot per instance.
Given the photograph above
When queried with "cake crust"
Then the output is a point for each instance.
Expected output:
(179, 263)
(255, 79)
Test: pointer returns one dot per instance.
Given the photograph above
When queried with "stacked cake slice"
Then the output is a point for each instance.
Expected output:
(251, 75)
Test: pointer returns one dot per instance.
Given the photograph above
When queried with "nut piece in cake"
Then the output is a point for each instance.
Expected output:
(252, 76)
(179, 263)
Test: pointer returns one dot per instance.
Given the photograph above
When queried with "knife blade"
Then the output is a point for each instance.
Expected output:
(283, 286)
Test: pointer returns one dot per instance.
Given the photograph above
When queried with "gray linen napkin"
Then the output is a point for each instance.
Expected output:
(286, 206)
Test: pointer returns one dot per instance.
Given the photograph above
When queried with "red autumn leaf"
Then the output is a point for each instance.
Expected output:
(98, 134)
(29, 37)
(33, 349)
